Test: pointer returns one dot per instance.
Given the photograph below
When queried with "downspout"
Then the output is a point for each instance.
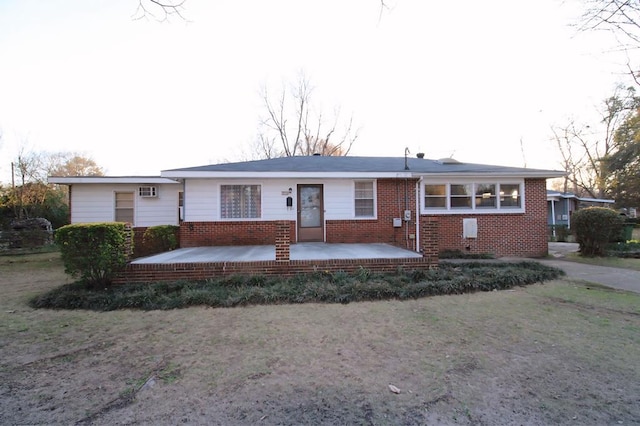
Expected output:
(418, 185)
(406, 207)
(553, 217)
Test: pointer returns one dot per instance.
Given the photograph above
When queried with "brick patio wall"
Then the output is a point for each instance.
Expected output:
(517, 235)
(232, 233)
(142, 273)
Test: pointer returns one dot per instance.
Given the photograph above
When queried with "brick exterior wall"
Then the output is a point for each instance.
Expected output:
(393, 198)
(142, 273)
(517, 235)
(232, 233)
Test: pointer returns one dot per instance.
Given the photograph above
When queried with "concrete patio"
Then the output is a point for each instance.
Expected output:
(300, 251)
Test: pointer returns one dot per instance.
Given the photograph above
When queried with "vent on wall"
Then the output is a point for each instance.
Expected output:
(147, 191)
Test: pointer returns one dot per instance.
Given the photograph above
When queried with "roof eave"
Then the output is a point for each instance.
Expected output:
(283, 175)
(70, 180)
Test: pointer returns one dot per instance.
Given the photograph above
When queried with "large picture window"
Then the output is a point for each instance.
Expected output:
(240, 201)
(364, 199)
(476, 196)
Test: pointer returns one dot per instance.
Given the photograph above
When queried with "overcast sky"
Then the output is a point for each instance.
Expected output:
(467, 78)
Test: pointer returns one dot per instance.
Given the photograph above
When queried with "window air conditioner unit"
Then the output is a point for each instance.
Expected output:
(148, 191)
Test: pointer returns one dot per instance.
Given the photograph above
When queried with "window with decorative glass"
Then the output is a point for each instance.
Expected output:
(240, 201)
(364, 199)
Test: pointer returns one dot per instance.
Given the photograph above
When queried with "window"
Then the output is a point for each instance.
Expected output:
(478, 196)
(364, 199)
(124, 207)
(486, 196)
(460, 196)
(240, 201)
(435, 196)
(510, 196)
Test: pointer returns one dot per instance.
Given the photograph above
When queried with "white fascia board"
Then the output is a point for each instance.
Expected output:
(596, 200)
(70, 180)
(285, 175)
(545, 174)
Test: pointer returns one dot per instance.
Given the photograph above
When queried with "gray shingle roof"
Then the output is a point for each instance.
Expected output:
(321, 164)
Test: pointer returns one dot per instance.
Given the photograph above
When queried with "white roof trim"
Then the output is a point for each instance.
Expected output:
(69, 180)
(287, 175)
(367, 175)
(596, 200)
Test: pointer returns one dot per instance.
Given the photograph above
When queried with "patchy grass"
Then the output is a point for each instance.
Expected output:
(319, 287)
(614, 262)
(558, 353)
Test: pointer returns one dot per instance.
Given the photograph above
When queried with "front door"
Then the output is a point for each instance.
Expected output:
(310, 213)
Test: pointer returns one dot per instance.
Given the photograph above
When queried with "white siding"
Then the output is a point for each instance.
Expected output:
(96, 203)
(202, 198)
(200, 201)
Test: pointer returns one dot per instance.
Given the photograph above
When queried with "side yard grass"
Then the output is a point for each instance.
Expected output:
(611, 261)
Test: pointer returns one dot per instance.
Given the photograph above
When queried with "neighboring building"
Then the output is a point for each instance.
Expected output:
(477, 208)
(561, 206)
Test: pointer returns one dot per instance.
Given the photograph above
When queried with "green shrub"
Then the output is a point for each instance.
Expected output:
(94, 252)
(161, 238)
(595, 228)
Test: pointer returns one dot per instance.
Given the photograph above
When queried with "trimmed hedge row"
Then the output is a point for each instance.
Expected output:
(337, 287)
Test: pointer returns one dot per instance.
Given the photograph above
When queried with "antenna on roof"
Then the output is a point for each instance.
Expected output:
(406, 153)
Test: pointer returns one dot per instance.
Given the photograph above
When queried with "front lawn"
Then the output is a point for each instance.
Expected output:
(560, 353)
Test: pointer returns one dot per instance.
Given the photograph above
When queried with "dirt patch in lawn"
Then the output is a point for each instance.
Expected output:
(553, 353)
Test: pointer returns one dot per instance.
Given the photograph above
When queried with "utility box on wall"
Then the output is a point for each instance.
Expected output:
(397, 222)
(470, 228)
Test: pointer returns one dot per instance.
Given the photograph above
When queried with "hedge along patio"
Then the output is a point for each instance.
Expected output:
(283, 265)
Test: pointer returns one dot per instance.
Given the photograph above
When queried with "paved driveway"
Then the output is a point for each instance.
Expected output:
(623, 279)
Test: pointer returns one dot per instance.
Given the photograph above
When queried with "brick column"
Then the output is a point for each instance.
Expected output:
(129, 246)
(429, 238)
(283, 240)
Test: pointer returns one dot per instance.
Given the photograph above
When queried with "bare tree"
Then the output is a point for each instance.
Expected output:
(583, 148)
(160, 10)
(291, 126)
(620, 17)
